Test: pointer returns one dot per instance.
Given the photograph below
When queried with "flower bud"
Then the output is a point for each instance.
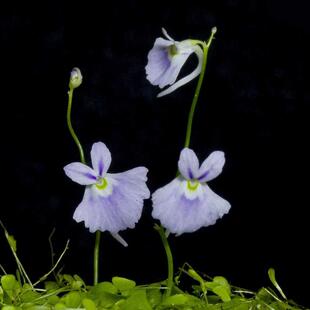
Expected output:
(75, 78)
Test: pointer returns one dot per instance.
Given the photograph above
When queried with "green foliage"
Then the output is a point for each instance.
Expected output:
(123, 285)
(71, 292)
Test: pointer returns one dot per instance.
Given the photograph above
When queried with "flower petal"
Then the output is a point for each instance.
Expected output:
(100, 158)
(212, 166)
(188, 164)
(187, 78)
(158, 60)
(120, 209)
(81, 173)
(179, 214)
(162, 68)
(172, 72)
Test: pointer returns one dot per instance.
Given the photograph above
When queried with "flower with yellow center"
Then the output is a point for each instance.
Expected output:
(112, 201)
(187, 203)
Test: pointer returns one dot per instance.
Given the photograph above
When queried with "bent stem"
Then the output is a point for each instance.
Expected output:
(77, 142)
(72, 132)
(164, 240)
(205, 47)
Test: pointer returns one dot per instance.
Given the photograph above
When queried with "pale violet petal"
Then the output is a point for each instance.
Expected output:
(211, 167)
(187, 78)
(163, 69)
(188, 164)
(102, 213)
(80, 173)
(216, 206)
(180, 215)
(171, 74)
(100, 158)
(163, 198)
(120, 239)
(158, 60)
(132, 183)
(119, 210)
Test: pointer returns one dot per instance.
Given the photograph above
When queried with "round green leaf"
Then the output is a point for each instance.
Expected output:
(178, 299)
(9, 282)
(72, 300)
(8, 308)
(60, 306)
(88, 304)
(123, 284)
(106, 287)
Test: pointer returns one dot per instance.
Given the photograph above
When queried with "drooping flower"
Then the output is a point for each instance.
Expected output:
(112, 201)
(166, 59)
(187, 203)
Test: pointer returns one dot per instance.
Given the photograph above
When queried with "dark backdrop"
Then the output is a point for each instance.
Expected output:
(253, 105)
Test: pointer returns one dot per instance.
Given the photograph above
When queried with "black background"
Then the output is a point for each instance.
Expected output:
(254, 106)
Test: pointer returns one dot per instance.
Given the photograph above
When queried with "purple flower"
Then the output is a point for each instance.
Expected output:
(112, 201)
(165, 61)
(187, 203)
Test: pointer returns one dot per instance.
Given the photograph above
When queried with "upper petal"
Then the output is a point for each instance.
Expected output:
(100, 158)
(212, 166)
(158, 60)
(188, 164)
(81, 173)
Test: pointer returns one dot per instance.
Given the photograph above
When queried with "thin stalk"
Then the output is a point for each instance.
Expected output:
(166, 245)
(72, 132)
(96, 256)
(82, 157)
(205, 47)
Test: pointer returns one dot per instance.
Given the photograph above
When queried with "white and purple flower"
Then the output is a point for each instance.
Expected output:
(166, 59)
(187, 203)
(112, 201)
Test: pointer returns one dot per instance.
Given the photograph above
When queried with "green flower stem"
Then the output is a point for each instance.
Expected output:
(96, 256)
(160, 229)
(72, 132)
(165, 242)
(82, 157)
(205, 47)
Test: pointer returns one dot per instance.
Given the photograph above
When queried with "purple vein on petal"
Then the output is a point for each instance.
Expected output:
(101, 166)
(90, 176)
(203, 175)
(190, 173)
